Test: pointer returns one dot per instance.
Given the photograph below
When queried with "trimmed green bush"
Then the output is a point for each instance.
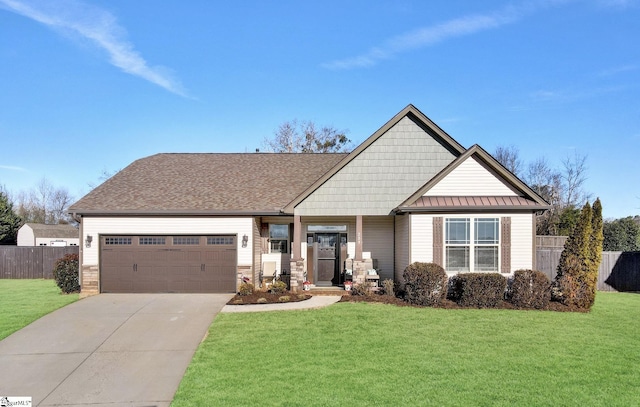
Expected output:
(530, 289)
(246, 289)
(481, 290)
(278, 287)
(66, 272)
(425, 284)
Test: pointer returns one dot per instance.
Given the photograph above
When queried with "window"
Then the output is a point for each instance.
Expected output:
(463, 254)
(117, 240)
(486, 244)
(219, 240)
(186, 240)
(151, 241)
(279, 238)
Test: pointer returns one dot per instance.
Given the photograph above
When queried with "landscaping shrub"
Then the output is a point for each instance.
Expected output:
(530, 289)
(577, 278)
(278, 287)
(65, 272)
(246, 289)
(388, 286)
(284, 298)
(425, 284)
(361, 289)
(482, 290)
(262, 300)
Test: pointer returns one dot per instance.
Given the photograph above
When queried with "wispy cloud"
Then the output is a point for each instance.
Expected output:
(99, 27)
(427, 36)
(618, 70)
(12, 168)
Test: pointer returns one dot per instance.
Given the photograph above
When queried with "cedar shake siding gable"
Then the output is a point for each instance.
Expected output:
(202, 184)
(380, 176)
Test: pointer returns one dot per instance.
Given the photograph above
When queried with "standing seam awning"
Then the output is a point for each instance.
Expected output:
(449, 203)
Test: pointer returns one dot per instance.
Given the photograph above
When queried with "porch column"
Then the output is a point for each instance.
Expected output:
(297, 240)
(296, 263)
(358, 238)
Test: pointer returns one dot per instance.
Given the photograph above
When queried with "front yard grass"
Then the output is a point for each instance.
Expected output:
(362, 354)
(24, 301)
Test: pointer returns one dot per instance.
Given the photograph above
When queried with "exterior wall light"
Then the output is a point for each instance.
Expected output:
(88, 240)
(245, 240)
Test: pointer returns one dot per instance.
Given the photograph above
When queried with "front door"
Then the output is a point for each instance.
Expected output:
(327, 259)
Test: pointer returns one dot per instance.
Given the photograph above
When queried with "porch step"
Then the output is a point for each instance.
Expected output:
(327, 291)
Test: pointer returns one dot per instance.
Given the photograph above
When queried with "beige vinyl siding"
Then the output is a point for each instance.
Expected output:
(521, 236)
(381, 177)
(402, 245)
(521, 241)
(471, 178)
(378, 238)
(421, 238)
(96, 226)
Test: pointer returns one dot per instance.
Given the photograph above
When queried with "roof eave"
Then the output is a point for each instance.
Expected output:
(174, 213)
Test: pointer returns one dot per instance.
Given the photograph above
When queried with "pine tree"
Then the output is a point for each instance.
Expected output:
(9, 221)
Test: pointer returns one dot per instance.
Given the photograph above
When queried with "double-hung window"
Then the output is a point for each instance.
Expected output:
(472, 244)
(279, 238)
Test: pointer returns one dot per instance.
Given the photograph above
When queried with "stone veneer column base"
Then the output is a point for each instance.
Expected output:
(90, 283)
(297, 274)
(359, 271)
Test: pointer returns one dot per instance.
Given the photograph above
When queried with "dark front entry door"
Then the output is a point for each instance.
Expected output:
(327, 259)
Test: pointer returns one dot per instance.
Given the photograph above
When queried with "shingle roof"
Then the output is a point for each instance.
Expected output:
(448, 203)
(194, 183)
(53, 231)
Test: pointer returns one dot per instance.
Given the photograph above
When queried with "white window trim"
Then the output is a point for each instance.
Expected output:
(472, 244)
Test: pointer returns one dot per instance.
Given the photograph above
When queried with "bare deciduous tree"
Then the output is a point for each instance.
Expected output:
(44, 204)
(306, 137)
(509, 157)
(563, 188)
(573, 178)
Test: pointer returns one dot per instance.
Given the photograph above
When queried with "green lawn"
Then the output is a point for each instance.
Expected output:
(24, 301)
(360, 354)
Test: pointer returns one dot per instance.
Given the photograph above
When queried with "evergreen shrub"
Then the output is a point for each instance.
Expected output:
(425, 284)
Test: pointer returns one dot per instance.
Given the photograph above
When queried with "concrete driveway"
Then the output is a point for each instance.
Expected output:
(108, 350)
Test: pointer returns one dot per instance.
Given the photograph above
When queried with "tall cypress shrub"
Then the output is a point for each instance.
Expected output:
(573, 279)
(595, 249)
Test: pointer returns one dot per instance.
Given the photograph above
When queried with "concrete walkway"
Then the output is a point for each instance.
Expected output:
(317, 301)
(108, 350)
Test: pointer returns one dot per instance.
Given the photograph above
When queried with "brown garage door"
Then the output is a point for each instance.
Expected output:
(160, 264)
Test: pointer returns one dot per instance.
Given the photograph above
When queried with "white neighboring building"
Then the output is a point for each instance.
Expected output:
(38, 234)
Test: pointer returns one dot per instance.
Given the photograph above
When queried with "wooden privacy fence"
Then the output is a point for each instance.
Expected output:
(31, 262)
(619, 271)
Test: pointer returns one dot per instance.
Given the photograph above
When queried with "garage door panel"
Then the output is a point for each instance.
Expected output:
(197, 264)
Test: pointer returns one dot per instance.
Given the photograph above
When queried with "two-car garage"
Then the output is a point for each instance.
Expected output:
(168, 263)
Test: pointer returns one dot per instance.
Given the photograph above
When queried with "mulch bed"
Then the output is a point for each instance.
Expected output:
(255, 298)
(262, 297)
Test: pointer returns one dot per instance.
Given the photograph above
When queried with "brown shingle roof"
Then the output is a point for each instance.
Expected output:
(453, 203)
(194, 183)
(53, 231)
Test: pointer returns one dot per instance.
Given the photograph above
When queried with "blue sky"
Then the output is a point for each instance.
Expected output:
(87, 86)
